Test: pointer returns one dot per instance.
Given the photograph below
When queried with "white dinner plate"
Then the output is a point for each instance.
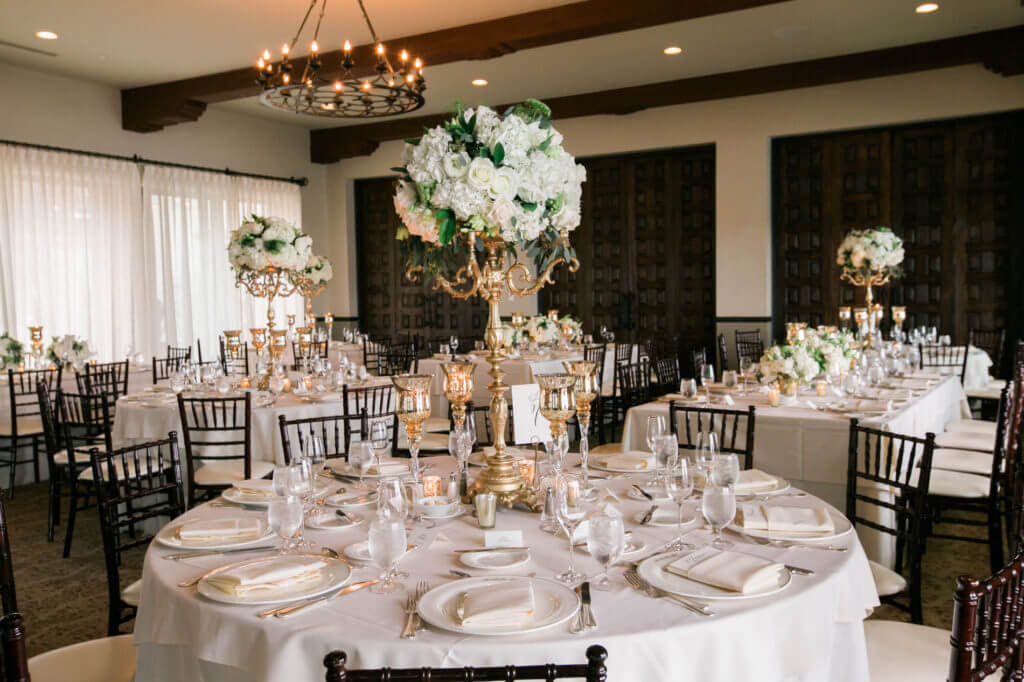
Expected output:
(332, 576)
(652, 570)
(665, 517)
(841, 523)
(340, 466)
(781, 486)
(328, 520)
(168, 536)
(555, 604)
(655, 491)
(594, 463)
(241, 497)
(495, 561)
(352, 498)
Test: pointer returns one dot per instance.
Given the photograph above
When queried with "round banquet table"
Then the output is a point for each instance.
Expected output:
(811, 631)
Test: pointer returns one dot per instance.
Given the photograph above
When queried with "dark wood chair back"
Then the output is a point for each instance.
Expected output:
(378, 402)
(891, 471)
(399, 358)
(734, 428)
(666, 369)
(373, 348)
(334, 431)
(992, 341)
(14, 658)
(596, 354)
(83, 422)
(749, 345)
(313, 349)
(234, 361)
(634, 381)
(698, 360)
(215, 430)
(623, 353)
(163, 368)
(594, 670)
(723, 353)
(107, 377)
(946, 359)
(180, 352)
(1013, 441)
(23, 396)
(479, 418)
(987, 632)
(134, 485)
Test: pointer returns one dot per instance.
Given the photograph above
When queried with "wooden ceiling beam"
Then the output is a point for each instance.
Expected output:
(151, 107)
(999, 50)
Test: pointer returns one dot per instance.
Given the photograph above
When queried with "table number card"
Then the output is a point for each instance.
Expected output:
(528, 422)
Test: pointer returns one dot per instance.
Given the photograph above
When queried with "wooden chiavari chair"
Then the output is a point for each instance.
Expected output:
(699, 360)
(179, 352)
(992, 341)
(723, 354)
(313, 350)
(399, 358)
(749, 345)
(163, 368)
(14, 662)
(635, 383)
(217, 433)
(107, 377)
(373, 349)
(334, 431)
(734, 428)
(891, 473)
(378, 402)
(25, 425)
(666, 371)
(133, 485)
(594, 670)
(236, 361)
(945, 359)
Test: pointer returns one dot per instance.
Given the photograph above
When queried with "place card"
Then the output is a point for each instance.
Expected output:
(503, 538)
(529, 423)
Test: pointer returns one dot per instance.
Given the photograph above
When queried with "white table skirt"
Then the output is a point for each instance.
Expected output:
(139, 377)
(811, 632)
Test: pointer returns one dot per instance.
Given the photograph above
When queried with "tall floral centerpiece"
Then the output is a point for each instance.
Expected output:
(870, 258)
(69, 351)
(266, 254)
(475, 195)
(10, 351)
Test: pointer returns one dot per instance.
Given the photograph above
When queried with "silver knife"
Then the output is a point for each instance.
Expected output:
(215, 552)
(588, 612)
(490, 549)
(649, 515)
(288, 610)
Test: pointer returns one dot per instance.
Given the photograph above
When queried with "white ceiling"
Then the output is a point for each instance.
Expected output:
(116, 42)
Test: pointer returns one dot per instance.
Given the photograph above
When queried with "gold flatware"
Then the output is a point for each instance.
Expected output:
(288, 610)
(491, 549)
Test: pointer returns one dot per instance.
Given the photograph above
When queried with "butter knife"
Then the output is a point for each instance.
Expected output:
(215, 552)
(589, 619)
(649, 515)
(288, 610)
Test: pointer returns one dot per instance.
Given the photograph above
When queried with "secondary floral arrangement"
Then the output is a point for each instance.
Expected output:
(10, 351)
(68, 351)
(542, 330)
(318, 270)
(504, 177)
(260, 243)
(833, 351)
(789, 365)
(876, 251)
(571, 328)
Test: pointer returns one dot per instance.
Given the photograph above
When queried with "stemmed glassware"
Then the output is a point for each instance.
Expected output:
(391, 499)
(725, 469)
(729, 379)
(284, 516)
(666, 452)
(718, 504)
(177, 382)
(606, 541)
(316, 454)
(387, 544)
(453, 344)
(570, 514)
(746, 367)
(678, 487)
(707, 377)
(655, 429)
(361, 456)
(379, 439)
(688, 389)
(707, 449)
(300, 486)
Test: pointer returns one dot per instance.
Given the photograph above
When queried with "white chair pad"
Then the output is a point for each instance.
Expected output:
(966, 441)
(229, 472)
(28, 426)
(887, 581)
(434, 442)
(901, 652)
(436, 425)
(110, 659)
(965, 461)
(87, 475)
(956, 484)
(133, 593)
(607, 449)
(986, 393)
(971, 427)
(61, 458)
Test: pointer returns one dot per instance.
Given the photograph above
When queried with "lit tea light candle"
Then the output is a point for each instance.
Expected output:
(431, 485)
(244, 383)
(821, 388)
(526, 470)
(553, 315)
(307, 382)
(572, 493)
(773, 396)
(21, 367)
(286, 384)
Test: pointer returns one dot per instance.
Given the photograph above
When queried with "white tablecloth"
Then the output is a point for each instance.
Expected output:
(138, 379)
(337, 350)
(811, 632)
(136, 423)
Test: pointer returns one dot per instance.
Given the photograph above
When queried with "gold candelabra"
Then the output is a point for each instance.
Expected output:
(412, 404)
(309, 291)
(490, 280)
(867, 280)
(268, 283)
(35, 333)
(585, 391)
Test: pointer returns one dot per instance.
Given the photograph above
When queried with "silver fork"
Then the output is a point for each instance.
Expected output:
(410, 617)
(638, 583)
(421, 589)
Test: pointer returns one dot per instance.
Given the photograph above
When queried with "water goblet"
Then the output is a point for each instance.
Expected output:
(688, 389)
(453, 344)
(666, 452)
(606, 540)
(379, 438)
(725, 469)
(360, 457)
(729, 379)
(707, 377)
(679, 487)
(655, 429)
(569, 514)
(300, 486)
(316, 454)
(391, 499)
(707, 448)
(746, 369)
(284, 516)
(387, 544)
(177, 382)
(281, 480)
(718, 504)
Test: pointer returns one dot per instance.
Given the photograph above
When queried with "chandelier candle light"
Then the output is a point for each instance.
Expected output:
(870, 258)
(332, 85)
(472, 194)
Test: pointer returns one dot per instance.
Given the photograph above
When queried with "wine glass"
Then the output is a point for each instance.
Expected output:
(688, 389)
(678, 487)
(570, 514)
(316, 454)
(276, 385)
(718, 504)
(606, 541)
(281, 475)
(729, 379)
(655, 429)
(391, 499)
(666, 451)
(300, 486)
(746, 367)
(284, 516)
(379, 439)
(387, 544)
(707, 448)
(360, 457)
(707, 377)
(453, 343)
(725, 469)
(177, 382)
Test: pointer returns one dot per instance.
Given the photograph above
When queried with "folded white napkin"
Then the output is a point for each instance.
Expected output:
(196, 532)
(805, 520)
(728, 570)
(255, 485)
(755, 481)
(267, 576)
(627, 461)
(874, 405)
(678, 397)
(388, 467)
(508, 604)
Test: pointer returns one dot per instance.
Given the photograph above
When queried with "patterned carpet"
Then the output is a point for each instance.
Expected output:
(65, 600)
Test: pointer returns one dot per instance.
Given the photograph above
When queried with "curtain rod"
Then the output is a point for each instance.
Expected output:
(135, 158)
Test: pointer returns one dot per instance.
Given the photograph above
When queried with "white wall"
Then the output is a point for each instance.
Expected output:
(43, 108)
(741, 129)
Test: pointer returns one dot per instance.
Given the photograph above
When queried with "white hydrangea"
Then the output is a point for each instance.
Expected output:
(875, 250)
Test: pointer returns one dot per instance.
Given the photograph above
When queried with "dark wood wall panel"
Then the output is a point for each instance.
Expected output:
(951, 189)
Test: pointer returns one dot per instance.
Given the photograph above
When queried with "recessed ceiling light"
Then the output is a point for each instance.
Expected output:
(479, 82)
(46, 35)
(927, 7)
(673, 49)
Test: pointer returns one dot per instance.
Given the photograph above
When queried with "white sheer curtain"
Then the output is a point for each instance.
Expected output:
(69, 239)
(125, 255)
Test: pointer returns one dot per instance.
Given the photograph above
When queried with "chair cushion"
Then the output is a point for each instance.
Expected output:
(901, 652)
(230, 471)
(607, 449)
(992, 391)
(110, 659)
(887, 581)
(27, 426)
(61, 458)
(133, 593)
(965, 441)
(956, 484)
(972, 427)
(436, 425)
(965, 461)
(86, 474)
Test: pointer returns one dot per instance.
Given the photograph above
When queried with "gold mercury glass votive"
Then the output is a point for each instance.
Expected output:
(553, 315)
(278, 342)
(557, 403)
(259, 338)
(458, 388)
(305, 339)
(412, 404)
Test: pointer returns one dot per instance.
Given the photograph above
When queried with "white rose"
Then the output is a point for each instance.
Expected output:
(456, 164)
(504, 184)
(501, 214)
(481, 172)
(567, 219)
